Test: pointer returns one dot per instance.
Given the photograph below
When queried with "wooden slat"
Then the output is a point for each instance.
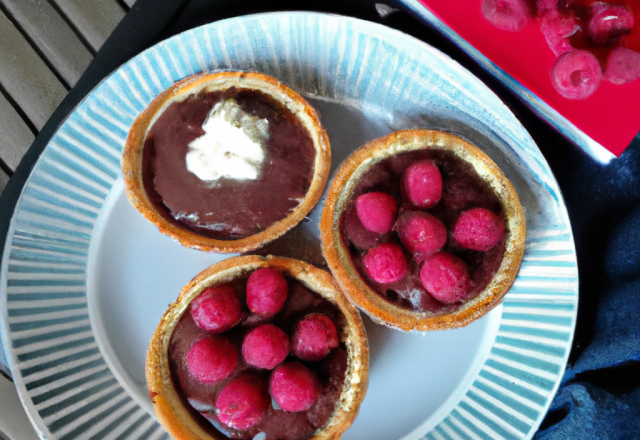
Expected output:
(16, 136)
(52, 35)
(95, 19)
(130, 2)
(4, 179)
(13, 420)
(26, 77)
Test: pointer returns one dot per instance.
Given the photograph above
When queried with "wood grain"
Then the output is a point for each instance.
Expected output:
(16, 135)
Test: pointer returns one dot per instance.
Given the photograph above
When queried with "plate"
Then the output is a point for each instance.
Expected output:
(85, 279)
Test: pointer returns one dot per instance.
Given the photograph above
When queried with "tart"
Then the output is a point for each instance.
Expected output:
(260, 347)
(226, 161)
(422, 230)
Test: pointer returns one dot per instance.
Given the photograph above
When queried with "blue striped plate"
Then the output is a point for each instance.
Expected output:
(85, 278)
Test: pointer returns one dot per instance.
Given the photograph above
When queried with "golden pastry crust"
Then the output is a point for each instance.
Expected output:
(336, 252)
(176, 417)
(133, 155)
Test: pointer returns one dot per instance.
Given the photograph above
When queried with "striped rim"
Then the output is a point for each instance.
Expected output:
(58, 368)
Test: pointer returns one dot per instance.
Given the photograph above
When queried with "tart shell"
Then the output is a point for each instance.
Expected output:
(336, 250)
(176, 417)
(132, 160)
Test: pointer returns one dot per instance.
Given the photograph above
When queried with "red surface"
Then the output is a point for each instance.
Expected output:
(611, 116)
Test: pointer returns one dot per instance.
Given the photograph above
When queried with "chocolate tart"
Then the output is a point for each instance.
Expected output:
(341, 254)
(240, 215)
(180, 419)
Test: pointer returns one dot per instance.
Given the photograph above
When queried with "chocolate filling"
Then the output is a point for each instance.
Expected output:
(276, 424)
(227, 208)
(462, 189)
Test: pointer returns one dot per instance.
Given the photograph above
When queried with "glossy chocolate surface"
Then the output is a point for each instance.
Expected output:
(276, 424)
(227, 208)
(462, 189)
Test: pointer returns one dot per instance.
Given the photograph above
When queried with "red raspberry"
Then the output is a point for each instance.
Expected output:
(385, 263)
(421, 233)
(294, 387)
(266, 291)
(557, 28)
(623, 66)
(265, 346)
(357, 234)
(609, 22)
(243, 402)
(422, 184)
(508, 15)
(445, 277)
(314, 337)
(216, 309)
(478, 229)
(376, 211)
(212, 359)
(576, 74)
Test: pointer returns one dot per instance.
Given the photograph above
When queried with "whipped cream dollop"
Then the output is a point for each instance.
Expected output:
(232, 147)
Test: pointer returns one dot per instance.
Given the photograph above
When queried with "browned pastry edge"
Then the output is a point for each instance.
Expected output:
(174, 415)
(133, 153)
(335, 248)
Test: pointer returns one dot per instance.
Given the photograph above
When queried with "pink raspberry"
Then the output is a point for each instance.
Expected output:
(478, 229)
(623, 66)
(243, 402)
(421, 233)
(216, 309)
(508, 15)
(609, 22)
(357, 234)
(294, 387)
(266, 291)
(314, 337)
(212, 359)
(576, 74)
(557, 28)
(376, 211)
(422, 184)
(385, 263)
(546, 5)
(265, 346)
(445, 277)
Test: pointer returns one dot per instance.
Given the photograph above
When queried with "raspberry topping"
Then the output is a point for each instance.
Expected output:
(243, 402)
(445, 277)
(294, 387)
(360, 236)
(609, 22)
(557, 28)
(623, 66)
(314, 337)
(266, 291)
(422, 184)
(508, 15)
(376, 211)
(216, 309)
(385, 263)
(421, 233)
(212, 359)
(478, 229)
(265, 346)
(576, 74)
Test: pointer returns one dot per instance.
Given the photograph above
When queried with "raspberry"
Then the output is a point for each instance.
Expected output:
(609, 22)
(357, 234)
(266, 291)
(508, 15)
(243, 402)
(421, 233)
(314, 337)
(212, 359)
(376, 211)
(422, 184)
(576, 74)
(385, 263)
(265, 346)
(478, 229)
(216, 309)
(546, 5)
(294, 387)
(623, 66)
(557, 28)
(445, 277)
